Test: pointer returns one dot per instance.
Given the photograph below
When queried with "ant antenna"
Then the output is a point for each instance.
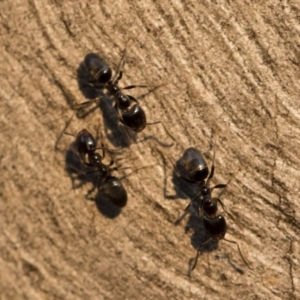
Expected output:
(67, 124)
(244, 260)
(195, 260)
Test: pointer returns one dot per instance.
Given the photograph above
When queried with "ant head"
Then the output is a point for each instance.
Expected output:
(216, 227)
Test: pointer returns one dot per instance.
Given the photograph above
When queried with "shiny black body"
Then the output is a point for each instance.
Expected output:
(193, 169)
(86, 144)
(216, 228)
(97, 68)
(130, 114)
(132, 117)
(111, 186)
(195, 166)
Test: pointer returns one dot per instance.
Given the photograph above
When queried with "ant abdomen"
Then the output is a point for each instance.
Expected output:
(195, 165)
(135, 118)
(97, 68)
(216, 227)
(114, 190)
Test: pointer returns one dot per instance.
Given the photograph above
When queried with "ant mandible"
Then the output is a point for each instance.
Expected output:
(130, 113)
(194, 170)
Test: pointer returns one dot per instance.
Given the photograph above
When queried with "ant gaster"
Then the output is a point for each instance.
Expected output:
(216, 228)
(194, 170)
(110, 185)
(130, 113)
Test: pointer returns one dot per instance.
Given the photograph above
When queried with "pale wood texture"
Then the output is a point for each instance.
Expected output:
(228, 77)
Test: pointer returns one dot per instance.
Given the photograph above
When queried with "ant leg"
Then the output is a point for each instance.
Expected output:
(195, 260)
(108, 149)
(221, 203)
(83, 113)
(244, 260)
(120, 76)
(134, 171)
(167, 131)
(219, 186)
(193, 266)
(77, 106)
(212, 171)
(134, 86)
(63, 132)
(88, 172)
(193, 206)
(87, 196)
(227, 256)
(68, 133)
(127, 131)
(120, 67)
(186, 211)
(103, 150)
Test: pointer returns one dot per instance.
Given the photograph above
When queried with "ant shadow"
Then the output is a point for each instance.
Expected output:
(199, 238)
(91, 90)
(81, 173)
(199, 235)
(181, 188)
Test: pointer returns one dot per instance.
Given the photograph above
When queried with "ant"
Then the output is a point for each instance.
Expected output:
(110, 185)
(216, 228)
(194, 170)
(130, 114)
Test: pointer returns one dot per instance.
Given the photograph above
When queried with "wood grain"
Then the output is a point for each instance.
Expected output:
(222, 75)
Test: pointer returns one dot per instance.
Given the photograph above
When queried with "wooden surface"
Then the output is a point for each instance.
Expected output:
(222, 75)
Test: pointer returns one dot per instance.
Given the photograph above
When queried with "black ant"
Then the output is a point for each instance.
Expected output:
(216, 228)
(194, 170)
(131, 115)
(111, 186)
